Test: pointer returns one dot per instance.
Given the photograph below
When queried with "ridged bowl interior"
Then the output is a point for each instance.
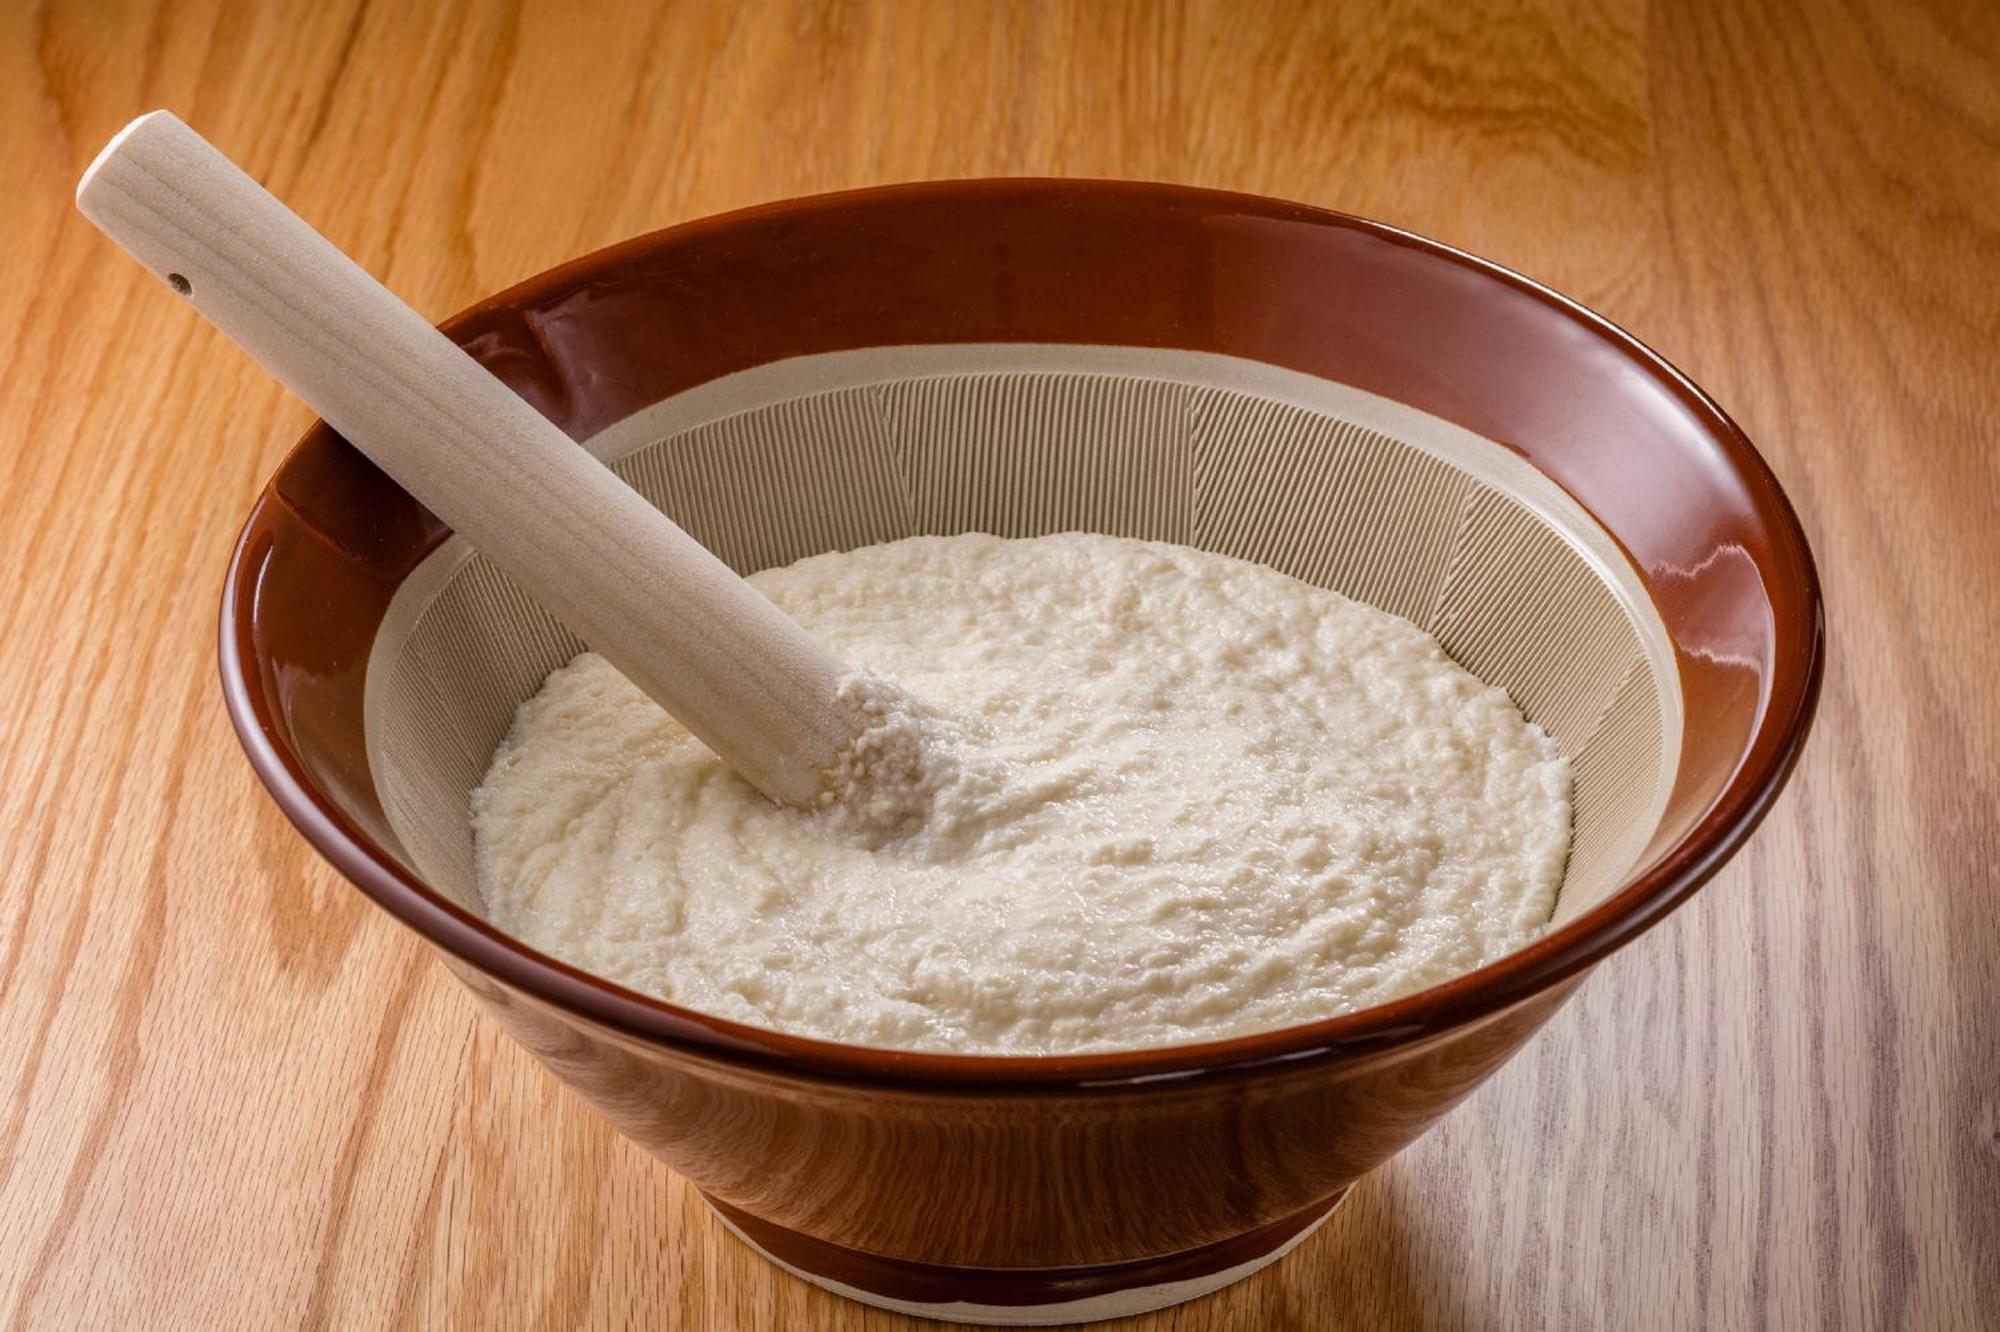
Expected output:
(1338, 487)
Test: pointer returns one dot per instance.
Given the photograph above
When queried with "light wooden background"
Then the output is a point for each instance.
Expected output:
(233, 1095)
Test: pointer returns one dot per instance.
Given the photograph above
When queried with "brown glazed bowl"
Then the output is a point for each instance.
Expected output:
(1571, 516)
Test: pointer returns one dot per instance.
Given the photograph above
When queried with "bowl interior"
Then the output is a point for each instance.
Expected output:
(1330, 484)
(1354, 405)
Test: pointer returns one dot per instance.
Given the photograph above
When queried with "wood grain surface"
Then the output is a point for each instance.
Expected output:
(233, 1095)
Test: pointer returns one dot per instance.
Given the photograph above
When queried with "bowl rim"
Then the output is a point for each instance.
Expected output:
(1563, 953)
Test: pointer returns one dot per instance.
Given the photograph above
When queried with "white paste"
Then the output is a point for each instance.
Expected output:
(1162, 796)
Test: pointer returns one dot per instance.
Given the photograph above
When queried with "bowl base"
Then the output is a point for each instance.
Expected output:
(1025, 1296)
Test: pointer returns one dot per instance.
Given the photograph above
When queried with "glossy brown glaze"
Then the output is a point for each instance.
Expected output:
(993, 1177)
(1100, 1159)
(940, 1283)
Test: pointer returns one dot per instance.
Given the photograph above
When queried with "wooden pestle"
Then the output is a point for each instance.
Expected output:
(705, 645)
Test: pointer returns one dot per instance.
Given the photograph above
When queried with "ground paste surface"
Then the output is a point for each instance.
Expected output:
(1176, 797)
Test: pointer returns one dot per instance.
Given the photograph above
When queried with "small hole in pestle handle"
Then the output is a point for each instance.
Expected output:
(180, 284)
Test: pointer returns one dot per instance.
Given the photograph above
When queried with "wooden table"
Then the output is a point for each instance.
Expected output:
(234, 1095)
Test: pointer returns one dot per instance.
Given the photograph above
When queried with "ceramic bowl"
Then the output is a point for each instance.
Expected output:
(1354, 405)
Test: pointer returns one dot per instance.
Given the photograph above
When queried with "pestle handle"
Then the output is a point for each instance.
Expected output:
(681, 625)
